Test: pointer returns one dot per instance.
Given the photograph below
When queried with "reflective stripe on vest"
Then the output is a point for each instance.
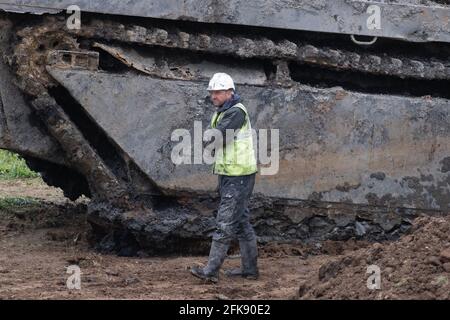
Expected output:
(238, 157)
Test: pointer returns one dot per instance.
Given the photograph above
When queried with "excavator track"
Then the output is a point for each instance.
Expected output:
(277, 51)
(265, 48)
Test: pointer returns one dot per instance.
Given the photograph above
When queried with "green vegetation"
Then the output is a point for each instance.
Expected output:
(12, 166)
(11, 203)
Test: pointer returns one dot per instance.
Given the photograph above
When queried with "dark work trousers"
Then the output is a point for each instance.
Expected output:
(233, 215)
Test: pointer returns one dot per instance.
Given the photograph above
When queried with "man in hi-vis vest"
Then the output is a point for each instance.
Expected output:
(235, 165)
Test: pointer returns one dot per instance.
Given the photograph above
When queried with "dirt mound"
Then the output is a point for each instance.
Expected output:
(417, 266)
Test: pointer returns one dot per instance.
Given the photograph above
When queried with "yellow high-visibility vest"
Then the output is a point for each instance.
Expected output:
(238, 157)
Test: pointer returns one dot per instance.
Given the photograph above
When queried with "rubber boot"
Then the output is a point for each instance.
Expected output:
(249, 261)
(217, 256)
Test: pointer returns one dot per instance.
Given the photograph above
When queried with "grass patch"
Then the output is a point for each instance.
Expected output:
(11, 203)
(12, 166)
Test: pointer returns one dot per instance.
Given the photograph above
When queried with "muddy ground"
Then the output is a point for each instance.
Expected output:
(45, 233)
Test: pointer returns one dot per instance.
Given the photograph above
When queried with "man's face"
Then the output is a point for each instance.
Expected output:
(218, 97)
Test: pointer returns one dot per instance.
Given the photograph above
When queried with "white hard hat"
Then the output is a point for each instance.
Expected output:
(221, 81)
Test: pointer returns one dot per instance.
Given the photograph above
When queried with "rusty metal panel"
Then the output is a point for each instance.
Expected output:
(335, 145)
(405, 20)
